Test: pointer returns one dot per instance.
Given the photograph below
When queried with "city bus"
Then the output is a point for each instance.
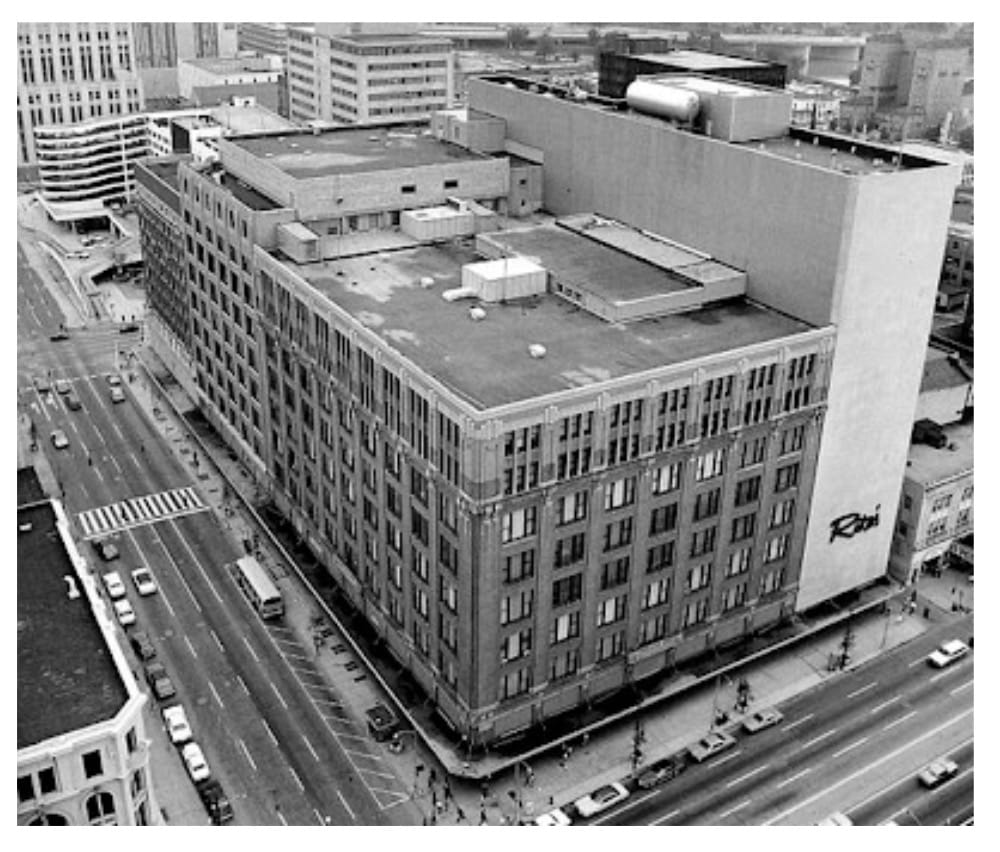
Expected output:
(259, 588)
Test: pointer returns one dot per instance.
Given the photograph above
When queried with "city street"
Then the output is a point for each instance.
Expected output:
(839, 746)
(273, 732)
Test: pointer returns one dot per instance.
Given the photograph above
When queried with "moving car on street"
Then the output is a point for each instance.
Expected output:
(59, 439)
(762, 719)
(938, 772)
(144, 582)
(711, 744)
(106, 549)
(117, 394)
(601, 799)
(948, 653)
(114, 380)
(113, 583)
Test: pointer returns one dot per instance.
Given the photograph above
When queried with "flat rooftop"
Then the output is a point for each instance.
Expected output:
(247, 194)
(383, 292)
(352, 150)
(233, 65)
(696, 60)
(928, 465)
(66, 676)
(29, 486)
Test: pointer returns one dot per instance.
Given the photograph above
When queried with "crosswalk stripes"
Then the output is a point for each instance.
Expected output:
(138, 511)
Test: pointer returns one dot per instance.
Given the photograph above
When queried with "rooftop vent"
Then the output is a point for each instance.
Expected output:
(25, 527)
(536, 350)
(72, 592)
(426, 282)
(476, 313)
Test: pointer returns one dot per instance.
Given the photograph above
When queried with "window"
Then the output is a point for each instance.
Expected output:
(656, 593)
(92, 764)
(734, 596)
(131, 741)
(739, 561)
(611, 645)
(792, 439)
(709, 465)
(663, 519)
(753, 451)
(698, 577)
(744, 527)
(611, 610)
(25, 788)
(570, 550)
(567, 590)
(566, 626)
(564, 665)
(776, 548)
(619, 493)
(515, 646)
(517, 606)
(781, 512)
(408, 189)
(572, 507)
(941, 503)
(786, 477)
(653, 629)
(695, 613)
(772, 581)
(448, 593)
(519, 566)
(747, 490)
(515, 683)
(518, 524)
(660, 557)
(101, 809)
(618, 534)
(703, 541)
(614, 573)
(667, 478)
(706, 504)
(419, 526)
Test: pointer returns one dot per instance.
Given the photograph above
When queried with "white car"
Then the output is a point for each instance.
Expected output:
(144, 582)
(761, 719)
(711, 744)
(194, 760)
(177, 724)
(59, 439)
(948, 653)
(113, 583)
(836, 819)
(555, 817)
(601, 799)
(117, 395)
(938, 772)
(124, 612)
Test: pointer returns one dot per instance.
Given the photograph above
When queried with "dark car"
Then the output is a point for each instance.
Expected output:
(129, 328)
(143, 646)
(59, 335)
(106, 549)
(159, 681)
(662, 771)
(73, 401)
(382, 722)
(213, 797)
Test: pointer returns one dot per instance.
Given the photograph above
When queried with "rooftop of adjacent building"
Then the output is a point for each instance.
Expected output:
(231, 65)
(487, 362)
(927, 465)
(699, 60)
(353, 150)
(944, 369)
(66, 676)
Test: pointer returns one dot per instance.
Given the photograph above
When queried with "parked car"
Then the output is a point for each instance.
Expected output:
(761, 719)
(59, 439)
(195, 762)
(213, 797)
(553, 817)
(63, 386)
(128, 328)
(143, 646)
(56, 336)
(662, 771)
(159, 681)
(106, 549)
(124, 612)
(711, 744)
(177, 724)
(114, 380)
(948, 653)
(601, 799)
(42, 384)
(113, 583)
(144, 582)
(382, 722)
(938, 772)
(117, 395)
(73, 401)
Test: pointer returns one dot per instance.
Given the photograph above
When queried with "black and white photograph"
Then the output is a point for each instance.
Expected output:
(494, 423)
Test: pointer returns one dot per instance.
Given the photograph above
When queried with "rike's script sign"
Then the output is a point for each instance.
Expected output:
(849, 525)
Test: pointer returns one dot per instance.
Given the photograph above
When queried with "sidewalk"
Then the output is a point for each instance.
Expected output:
(589, 759)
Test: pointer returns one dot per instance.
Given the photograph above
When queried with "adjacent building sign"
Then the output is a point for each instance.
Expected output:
(849, 525)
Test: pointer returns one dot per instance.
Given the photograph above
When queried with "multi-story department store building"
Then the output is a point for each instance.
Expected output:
(548, 459)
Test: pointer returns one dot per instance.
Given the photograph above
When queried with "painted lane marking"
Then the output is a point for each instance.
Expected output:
(746, 775)
(794, 777)
(850, 747)
(734, 809)
(901, 719)
(798, 722)
(722, 760)
(246, 751)
(863, 689)
(818, 739)
(884, 704)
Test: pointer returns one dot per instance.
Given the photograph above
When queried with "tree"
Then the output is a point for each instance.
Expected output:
(845, 646)
(517, 37)
(594, 37)
(545, 46)
(965, 139)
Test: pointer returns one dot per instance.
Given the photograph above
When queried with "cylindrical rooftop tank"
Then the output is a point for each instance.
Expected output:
(665, 101)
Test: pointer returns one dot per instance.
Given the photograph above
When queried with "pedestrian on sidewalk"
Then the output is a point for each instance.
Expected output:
(459, 814)
(482, 816)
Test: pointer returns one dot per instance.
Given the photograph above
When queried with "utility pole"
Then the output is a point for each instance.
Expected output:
(845, 646)
(638, 738)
